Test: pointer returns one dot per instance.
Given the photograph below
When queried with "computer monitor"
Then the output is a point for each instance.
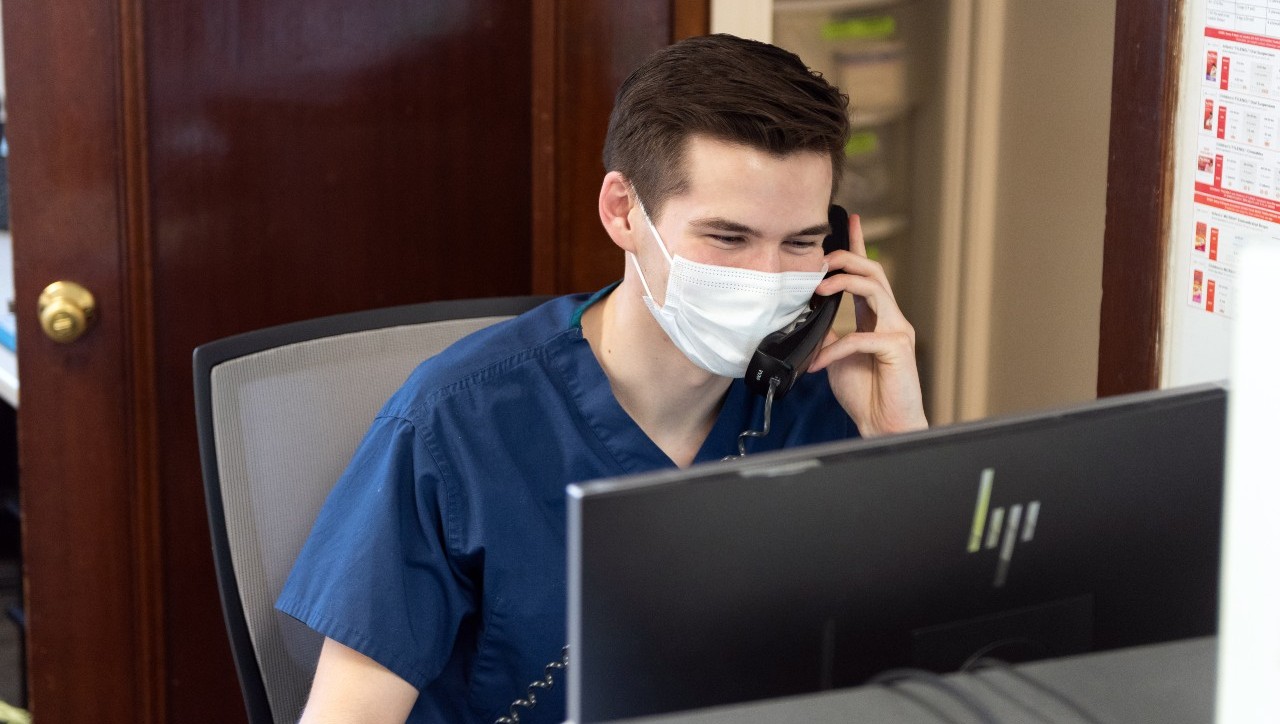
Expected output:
(1084, 529)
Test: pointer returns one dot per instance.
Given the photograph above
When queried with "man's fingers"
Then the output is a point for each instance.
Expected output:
(857, 243)
(888, 347)
(850, 263)
(875, 296)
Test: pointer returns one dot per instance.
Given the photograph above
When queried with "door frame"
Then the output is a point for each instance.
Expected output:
(1140, 191)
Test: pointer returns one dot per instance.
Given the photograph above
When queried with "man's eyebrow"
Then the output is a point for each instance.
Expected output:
(722, 224)
(820, 229)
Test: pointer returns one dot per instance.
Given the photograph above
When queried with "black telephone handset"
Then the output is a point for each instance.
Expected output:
(784, 355)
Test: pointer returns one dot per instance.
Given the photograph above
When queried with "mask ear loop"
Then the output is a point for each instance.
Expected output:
(662, 245)
(764, 429)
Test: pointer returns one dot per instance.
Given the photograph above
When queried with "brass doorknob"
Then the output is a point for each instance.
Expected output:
(66, 311)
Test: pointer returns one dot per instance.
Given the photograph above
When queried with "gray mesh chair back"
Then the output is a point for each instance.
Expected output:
(279, 413)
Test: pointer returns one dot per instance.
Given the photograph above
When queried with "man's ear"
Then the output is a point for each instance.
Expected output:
(615, 205)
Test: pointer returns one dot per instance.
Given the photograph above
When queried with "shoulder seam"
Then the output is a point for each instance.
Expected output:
(515, 359)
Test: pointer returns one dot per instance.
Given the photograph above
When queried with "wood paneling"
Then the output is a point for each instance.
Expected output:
(583, 52)
(1139, 192)
(690, 18)
(311, 157)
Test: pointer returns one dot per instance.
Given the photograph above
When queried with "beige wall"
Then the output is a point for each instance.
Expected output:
(1050, 203)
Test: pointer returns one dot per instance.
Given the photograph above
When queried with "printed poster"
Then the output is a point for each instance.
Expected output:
(1237, 176)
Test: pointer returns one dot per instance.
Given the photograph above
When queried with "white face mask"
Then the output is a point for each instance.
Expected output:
(717, 315)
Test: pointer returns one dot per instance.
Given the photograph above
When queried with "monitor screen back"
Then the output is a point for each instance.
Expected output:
(1042, 536)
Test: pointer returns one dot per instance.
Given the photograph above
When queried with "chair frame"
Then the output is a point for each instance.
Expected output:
(208, 356)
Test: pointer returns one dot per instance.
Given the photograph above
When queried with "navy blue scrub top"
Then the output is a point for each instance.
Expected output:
(440, 552)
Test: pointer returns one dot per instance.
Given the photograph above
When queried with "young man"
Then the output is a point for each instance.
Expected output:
(436, 570)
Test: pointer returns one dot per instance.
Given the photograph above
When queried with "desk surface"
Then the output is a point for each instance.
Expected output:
(1170, 683)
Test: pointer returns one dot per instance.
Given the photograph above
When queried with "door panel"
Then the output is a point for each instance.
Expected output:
(583, 51)
(86, 510)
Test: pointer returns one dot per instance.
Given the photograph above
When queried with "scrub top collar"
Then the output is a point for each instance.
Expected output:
(630, 447)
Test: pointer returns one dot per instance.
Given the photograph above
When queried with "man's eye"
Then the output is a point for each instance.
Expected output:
(728, 239)
(802, 244)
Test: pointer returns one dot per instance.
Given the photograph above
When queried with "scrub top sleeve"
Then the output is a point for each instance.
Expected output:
(375, 574)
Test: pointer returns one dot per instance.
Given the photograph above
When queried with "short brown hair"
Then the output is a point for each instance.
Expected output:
(727, 88)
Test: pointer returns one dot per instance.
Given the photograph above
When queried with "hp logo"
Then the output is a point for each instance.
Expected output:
(994, 527)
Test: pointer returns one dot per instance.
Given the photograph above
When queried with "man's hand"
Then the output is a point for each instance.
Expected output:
(872, 370)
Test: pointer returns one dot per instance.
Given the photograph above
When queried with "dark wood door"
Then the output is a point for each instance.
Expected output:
(208, 168)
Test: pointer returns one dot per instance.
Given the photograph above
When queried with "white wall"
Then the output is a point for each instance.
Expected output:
(743, 18)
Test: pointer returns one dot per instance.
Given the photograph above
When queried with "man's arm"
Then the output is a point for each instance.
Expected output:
(352, 688)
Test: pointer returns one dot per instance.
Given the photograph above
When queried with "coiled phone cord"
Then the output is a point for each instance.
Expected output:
(530, 699)
(764, 429)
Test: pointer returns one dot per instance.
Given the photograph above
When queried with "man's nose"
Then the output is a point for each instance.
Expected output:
(768, 260)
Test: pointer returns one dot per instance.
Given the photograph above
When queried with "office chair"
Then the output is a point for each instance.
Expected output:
(279, 413)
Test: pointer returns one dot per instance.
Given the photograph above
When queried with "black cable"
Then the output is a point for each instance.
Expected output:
(975, 707)
(1038, 649)
(530, 698)
(764, 429)
(1013, 700)
(924, 703)
(1063, 699)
